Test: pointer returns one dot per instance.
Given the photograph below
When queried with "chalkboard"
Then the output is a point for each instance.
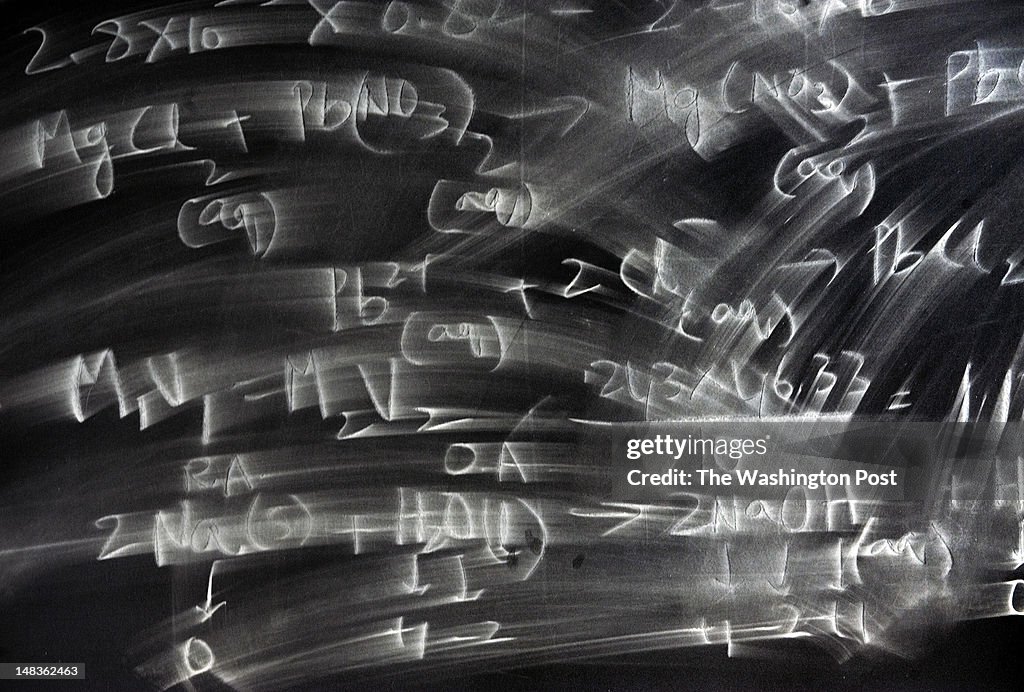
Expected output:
(472, 344)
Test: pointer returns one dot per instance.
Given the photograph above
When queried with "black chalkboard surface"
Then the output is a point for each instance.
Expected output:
(499, 344)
